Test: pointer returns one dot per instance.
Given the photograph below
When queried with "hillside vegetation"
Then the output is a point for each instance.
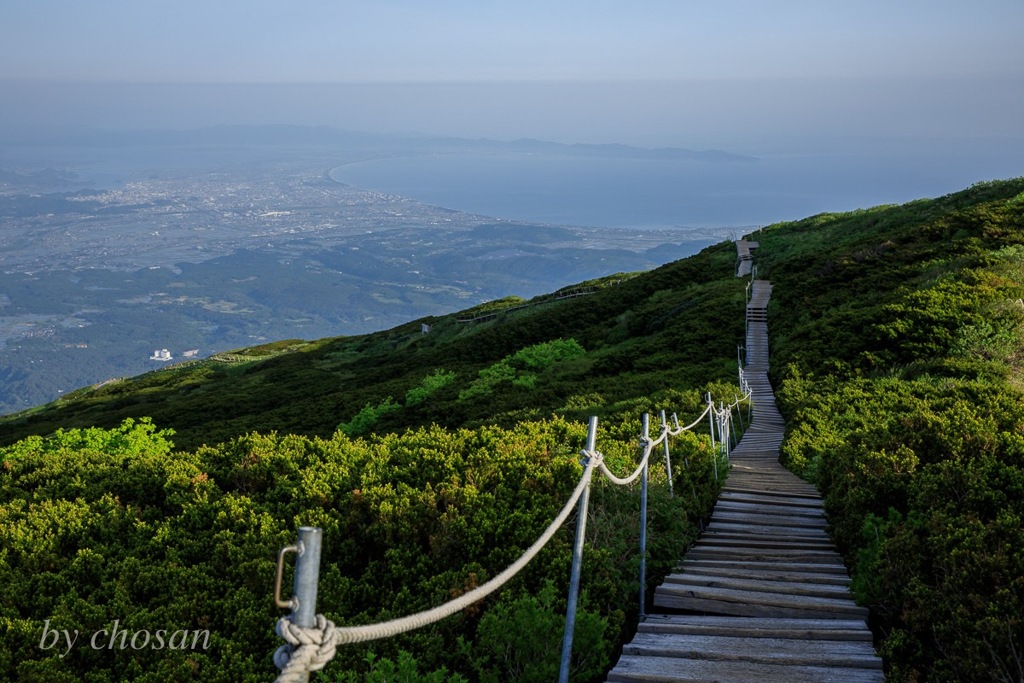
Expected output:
(897, 347)
(431, 459)
(674, 327)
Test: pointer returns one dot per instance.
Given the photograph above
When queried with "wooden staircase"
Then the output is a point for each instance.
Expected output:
(763, 595)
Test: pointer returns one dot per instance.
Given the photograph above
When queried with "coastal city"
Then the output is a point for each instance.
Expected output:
(176, 265)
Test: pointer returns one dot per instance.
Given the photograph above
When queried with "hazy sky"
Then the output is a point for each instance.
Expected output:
(651, 72)
(420, 40)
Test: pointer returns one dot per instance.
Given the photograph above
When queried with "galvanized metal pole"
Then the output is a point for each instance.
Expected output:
(577, 562)
(746, 314)
(714, 449)
(723, 429)
(711, 420)
(307, 576)
(668, 458)
(643, 521)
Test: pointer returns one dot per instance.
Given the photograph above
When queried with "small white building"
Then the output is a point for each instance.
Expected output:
(161, 355)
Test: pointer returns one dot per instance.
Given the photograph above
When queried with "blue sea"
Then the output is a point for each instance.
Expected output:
(656, 193)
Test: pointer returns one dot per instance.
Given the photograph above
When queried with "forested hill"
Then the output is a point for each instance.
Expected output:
(428, 456)
(582, 349)
(897, 356)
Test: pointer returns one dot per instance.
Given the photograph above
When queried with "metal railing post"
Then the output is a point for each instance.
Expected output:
(739, 414)
(723, 429)
(577, 561)
(643, 520)
(714, 449)
(307, 576)
(668, 458)
(305, 583)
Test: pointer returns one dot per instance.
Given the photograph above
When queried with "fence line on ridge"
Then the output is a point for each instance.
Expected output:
(312, 639)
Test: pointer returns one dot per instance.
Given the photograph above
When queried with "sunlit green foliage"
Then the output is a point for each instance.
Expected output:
(365, 419)
(898, 342)
(98, 526)
(521, 368)
(403, 669)
(676, 326)
(896, 353)
(430, 385)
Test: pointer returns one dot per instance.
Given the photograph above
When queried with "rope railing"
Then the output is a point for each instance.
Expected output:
(312, 639)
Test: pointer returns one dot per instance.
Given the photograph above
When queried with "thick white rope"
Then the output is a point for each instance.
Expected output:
(309, 649)
(692, 424)
(648, 449)
(326, 636)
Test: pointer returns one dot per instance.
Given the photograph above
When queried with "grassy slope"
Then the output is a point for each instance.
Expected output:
(898, 341)
(671, 327)
(896, 346)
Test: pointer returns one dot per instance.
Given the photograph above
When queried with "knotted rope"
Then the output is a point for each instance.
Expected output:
(325, 637)
(308, 649)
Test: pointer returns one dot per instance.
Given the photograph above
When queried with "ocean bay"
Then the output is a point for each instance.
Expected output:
(663, 193)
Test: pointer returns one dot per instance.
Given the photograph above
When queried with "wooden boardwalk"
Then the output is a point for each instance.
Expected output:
(763, 595)
(746, 259)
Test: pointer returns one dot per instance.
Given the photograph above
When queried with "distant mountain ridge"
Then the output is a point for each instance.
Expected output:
(295, 135)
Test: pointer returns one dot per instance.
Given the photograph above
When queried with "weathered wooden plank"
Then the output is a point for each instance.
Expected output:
(779, 538)
(766, 596)
(788, 586)
(809, 495)
(731, 499)
(635, 669)
(701, 552)
(852, 654)
(765, 591)
(770, 520)
(816, 567)
(728, 540)
(777, 573)
(754, 604)
(763, 530)
(780, 509)
(724, 600)
(752, 627)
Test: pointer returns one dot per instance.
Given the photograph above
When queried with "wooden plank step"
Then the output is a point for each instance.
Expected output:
(758, 498)
(807, 629)
(754, 603)
(769, 517)
(777, 534)
(721, 540)
(781, 586)
(779, 485)
(779, 573)
(699, 552)
(792, 652)
(780, 507)
(814, 537)
(761, 525)
(805, 567)
(809, 495)
(637, 669)
(770, 520)
(782, 511)
(763, 596)
(760, 466)
(764, 531)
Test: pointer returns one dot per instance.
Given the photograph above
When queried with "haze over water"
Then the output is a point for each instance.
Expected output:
(645, 193)
(845, 105)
